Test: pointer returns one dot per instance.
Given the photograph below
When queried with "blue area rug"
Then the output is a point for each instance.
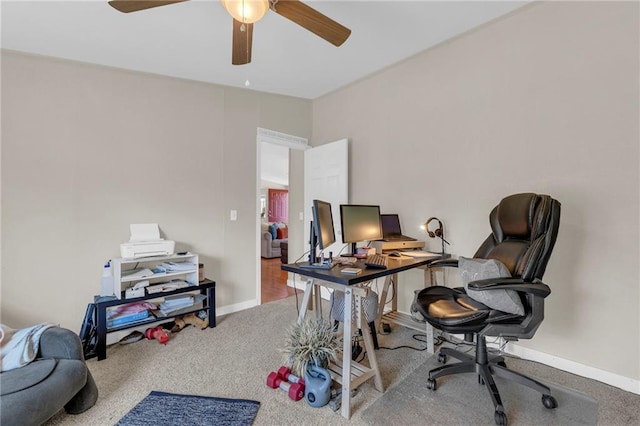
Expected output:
(161, 408)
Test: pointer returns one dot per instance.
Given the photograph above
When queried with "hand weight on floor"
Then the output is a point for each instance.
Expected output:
(158, 333)
(294, 390)
(285, 373)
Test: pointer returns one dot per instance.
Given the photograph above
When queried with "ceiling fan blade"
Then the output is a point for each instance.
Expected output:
(242, 40)
(127, 6)
(312, 20)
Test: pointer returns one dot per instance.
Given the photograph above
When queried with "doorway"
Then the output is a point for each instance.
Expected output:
(274, 189)
(273, 186)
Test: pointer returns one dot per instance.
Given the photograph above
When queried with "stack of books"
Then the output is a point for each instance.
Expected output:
(175, 305)
(126, 318)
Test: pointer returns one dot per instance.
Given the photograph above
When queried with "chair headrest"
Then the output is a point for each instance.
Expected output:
(524, 229)
(515, 215)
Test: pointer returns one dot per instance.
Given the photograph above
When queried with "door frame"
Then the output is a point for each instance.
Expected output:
(278, 138)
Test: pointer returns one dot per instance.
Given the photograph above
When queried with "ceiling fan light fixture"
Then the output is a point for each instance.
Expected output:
(246, 11)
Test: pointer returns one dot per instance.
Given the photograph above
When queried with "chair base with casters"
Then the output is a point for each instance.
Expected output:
(486, 368)
(503, 294)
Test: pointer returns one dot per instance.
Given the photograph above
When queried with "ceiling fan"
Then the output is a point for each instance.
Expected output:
(246, 12)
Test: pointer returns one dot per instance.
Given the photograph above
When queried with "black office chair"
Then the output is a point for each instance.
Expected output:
(525, 227)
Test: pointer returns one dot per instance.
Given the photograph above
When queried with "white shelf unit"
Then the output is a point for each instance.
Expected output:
(121, 266)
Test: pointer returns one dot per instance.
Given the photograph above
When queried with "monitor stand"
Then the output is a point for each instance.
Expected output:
(324, 265)
(354, 252)
(356, 255)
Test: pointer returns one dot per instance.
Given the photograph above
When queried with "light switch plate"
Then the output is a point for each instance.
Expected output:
(233, 215)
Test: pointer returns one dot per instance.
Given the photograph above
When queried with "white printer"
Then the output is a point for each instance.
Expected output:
(145, 241)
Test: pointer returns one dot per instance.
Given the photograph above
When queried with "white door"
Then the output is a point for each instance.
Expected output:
(326, 178)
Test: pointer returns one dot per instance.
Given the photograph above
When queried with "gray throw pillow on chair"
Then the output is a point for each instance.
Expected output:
(480, 269)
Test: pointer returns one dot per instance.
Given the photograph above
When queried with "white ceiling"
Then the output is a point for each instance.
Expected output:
(192, 40)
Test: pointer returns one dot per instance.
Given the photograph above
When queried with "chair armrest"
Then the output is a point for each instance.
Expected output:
(60, 343)
(444, 263)
(536, 288)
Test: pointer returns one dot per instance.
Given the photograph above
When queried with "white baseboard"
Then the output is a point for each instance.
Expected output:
(624, 383)
(237, 307)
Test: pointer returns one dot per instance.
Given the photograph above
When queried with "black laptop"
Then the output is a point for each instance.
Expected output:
(391, 228)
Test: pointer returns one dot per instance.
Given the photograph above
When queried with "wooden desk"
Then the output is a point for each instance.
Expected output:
(351, 286)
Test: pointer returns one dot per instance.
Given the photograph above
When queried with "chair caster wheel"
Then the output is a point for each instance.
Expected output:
(549, 402)
(431, 384)
(442, 358)
(500, 418)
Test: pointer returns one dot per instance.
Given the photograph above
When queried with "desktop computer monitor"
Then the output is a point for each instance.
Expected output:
(323, 224)
(360, 223)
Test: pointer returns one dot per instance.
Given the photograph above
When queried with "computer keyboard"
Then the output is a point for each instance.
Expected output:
(378, 261)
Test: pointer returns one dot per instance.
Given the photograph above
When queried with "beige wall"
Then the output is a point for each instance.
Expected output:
(544, 100)
(88, 150)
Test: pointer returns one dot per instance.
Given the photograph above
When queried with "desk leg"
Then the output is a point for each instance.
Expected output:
(305, 300)
(429, 280)
(346, 355)
(371, 354)
(383, 300)
(317, 300)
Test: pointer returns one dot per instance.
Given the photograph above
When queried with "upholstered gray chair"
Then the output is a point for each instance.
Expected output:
(524, 230)
(58, 378)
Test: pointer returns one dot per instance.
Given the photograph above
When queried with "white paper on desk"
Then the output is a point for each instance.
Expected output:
(144, 232)
(420, 253)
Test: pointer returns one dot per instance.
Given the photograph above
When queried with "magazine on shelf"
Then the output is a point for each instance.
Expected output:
(196, 302)
(127, 318)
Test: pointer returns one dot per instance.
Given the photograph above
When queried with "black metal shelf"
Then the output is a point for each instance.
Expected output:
(205, 287)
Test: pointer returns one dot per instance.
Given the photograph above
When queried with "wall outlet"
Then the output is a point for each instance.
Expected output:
(233, 215)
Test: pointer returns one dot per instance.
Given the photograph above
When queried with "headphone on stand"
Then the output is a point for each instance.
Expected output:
(438, 232)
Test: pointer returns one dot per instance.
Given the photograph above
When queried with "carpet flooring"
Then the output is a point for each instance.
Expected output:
(234, 359)
(461, 394)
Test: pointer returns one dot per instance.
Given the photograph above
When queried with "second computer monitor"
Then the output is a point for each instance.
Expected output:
(360, 223)
(323, 224)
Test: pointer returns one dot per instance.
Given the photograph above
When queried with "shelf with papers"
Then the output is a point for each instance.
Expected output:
(127, 273)
(205, 288)
(158, 275)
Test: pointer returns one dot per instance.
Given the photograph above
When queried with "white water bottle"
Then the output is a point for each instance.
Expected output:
(106, 284)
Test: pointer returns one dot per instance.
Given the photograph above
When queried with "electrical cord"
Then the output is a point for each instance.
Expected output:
(393, 296)
(419, 338)
(342, 249)
(294, 282)
(295, 291)
(303, 255)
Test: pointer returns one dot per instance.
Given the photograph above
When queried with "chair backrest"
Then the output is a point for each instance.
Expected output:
(525, 228)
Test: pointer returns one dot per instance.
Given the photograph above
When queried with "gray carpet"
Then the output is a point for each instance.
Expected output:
(459, 399)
